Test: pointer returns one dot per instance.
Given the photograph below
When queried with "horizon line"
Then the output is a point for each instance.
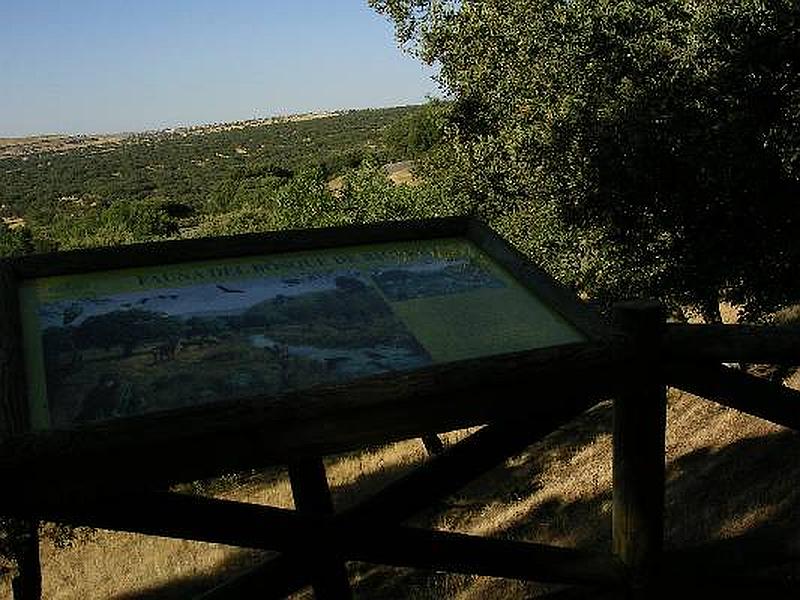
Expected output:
(188, 126)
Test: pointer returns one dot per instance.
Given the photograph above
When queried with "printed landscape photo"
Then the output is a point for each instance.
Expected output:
(438, 278)
(170, 348)
(167, 348)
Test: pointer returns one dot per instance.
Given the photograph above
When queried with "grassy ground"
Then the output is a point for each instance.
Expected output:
(727, 473)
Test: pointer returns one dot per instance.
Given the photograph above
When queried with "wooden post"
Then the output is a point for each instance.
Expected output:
(433, 444)
(639, 427)
(313, 496)
(27, 582)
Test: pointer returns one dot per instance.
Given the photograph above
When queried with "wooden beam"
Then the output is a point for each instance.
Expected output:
(732, 343)
(155, 451)
(737, 587)
(584, 593)
(26, 584)
(744, 554)
(274, 579)
(433, 444)
(638, 469)
(461, 553)
(313, 497)
(185, 516)
(14, 420)
(735, 389)
(268, 528)
(459, 464)
(731, 586)
(444, 474)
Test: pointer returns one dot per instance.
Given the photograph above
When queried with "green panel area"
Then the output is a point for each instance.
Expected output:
(110, 345)
(483, 323)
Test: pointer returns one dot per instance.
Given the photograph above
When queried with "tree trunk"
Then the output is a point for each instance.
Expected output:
(710, 310)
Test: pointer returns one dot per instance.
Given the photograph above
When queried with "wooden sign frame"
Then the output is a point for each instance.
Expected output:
(157, 449)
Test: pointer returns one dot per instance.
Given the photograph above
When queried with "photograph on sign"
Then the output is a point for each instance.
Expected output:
(118, 344)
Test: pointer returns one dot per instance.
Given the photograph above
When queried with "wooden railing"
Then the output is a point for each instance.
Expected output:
(314, 543)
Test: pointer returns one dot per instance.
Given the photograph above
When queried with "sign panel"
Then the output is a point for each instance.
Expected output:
(132, 341)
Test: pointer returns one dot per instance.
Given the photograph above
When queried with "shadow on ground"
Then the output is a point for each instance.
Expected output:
(713, 491)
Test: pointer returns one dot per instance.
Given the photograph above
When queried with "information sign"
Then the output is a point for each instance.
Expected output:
(114, 344)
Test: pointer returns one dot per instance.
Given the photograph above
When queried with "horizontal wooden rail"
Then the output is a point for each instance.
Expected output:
(584, 593)
(440, 476)
(460, 553)
(273, 579)
(268, 528)
(731, 586)
(732, 343)
(739, 390)
(461, 463)
(742, 554)
(151, 452)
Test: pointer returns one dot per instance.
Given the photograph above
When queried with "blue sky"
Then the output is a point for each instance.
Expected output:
(84, 66)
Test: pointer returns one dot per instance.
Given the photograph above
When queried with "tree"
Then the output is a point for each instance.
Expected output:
(417, 132)
(114, 223)
(634, 147)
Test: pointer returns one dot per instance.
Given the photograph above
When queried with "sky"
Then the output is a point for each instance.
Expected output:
(102, 66)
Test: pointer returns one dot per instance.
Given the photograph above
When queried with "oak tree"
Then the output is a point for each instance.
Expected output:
(637, 147)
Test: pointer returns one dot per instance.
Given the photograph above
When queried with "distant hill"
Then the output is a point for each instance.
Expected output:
(39, 144)
(32, 145)
(45, 175)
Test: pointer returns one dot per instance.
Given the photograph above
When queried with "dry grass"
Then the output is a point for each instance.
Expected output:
(13, 222)
(726, 473)
(399, 173)
(27, 146)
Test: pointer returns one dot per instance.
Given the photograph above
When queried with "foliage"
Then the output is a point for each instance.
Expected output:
(119, 222)
(307, 200)
(367, 195)
(229, 180)
(187, 167)
(655, 143)
(418, 132)
(15, 242)
(351, 315)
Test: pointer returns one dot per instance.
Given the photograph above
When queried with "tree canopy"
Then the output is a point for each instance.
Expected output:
(418, 131)
(636, 147)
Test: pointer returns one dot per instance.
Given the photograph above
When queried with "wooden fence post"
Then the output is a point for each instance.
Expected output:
(639, 427)
(433, 444)
(27, 582)
(313, 496)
